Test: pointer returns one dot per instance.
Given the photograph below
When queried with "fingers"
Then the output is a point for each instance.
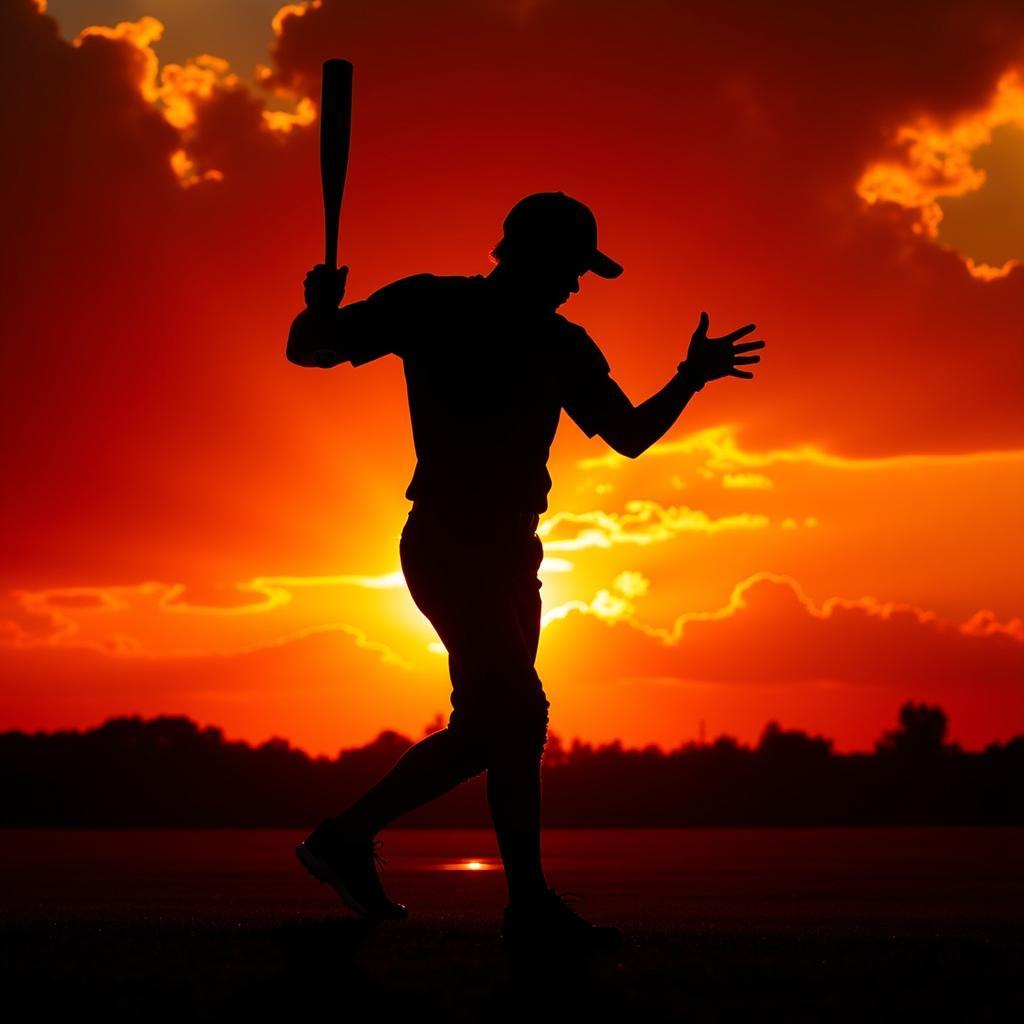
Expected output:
(324, 285)
(321, 270)
(702, 325)
(733, 335)
(745, 347)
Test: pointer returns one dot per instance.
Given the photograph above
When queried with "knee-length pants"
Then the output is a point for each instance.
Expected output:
(479, 589)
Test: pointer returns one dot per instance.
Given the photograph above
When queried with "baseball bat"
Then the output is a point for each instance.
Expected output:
(335, 129)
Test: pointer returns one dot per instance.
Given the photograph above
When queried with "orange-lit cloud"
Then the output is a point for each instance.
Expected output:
(719, 450)
(771, 646)
(138, 37)
(179, 90)
(937, 163)
(770, 630)
(295, 10)
(642, 522)
(747, 481)
(156, 620)
(602, 661)
(666, 565)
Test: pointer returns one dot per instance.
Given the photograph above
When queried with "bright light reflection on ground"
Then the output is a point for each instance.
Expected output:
(469, 865)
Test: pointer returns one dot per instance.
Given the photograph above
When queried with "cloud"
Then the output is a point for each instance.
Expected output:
(182, 92)
(643, 522)
(931, 529)
(937, 163)
(719, 450)
(325, 688)
(772, 632)
(172, 620)
(747, 482)
(274, 591)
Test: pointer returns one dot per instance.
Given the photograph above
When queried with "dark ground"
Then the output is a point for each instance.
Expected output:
(722, 925)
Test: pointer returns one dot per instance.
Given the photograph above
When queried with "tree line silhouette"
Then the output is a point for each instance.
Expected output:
(170, 772)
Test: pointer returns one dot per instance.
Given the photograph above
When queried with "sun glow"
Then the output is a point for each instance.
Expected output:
(470, 865)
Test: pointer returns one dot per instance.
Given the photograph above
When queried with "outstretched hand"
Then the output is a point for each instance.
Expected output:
(711, 358)
(324, 287)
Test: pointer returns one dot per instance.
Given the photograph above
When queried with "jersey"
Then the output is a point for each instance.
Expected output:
(486, 383)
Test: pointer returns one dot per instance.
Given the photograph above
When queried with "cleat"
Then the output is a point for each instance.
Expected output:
(350, 868)
(549, 924)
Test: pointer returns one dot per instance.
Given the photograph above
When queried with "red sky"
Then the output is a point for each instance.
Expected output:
(196, 526)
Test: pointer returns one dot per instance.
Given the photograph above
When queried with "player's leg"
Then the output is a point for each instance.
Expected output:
(484, 601)
(514, 773)
(514, 797)
(499, 701)
(498, 698)
(441, 761)
(427, 770)
(342, 851)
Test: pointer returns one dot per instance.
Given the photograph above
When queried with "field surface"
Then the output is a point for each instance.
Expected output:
(721, 925)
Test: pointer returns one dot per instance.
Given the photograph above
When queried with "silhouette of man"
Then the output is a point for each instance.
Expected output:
(489, 365)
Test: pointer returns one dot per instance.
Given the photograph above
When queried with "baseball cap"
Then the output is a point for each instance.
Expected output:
(553, 221)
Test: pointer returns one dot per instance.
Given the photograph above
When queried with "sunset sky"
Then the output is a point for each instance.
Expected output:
(195, 526)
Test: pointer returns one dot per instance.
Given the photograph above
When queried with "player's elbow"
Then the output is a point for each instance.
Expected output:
(623, 441)
(299, 355)
(322, 358)
(297, 350)
(306, 342)
(298, 358)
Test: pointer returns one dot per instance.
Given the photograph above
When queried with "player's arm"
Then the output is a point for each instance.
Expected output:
(325, 335)
(600, 406)
(631, 430)
(315, 337)
(632, 433)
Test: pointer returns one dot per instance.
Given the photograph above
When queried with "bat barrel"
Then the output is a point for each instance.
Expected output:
(335, 128)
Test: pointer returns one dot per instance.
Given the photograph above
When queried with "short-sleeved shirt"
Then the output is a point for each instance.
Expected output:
(486, 383)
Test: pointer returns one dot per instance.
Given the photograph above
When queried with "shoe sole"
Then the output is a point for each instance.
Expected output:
(322, 872)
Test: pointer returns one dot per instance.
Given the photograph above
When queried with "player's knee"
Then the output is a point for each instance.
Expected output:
(503, 728)
(473, 765)
(472, 754)
(533, 735)
(525, 733)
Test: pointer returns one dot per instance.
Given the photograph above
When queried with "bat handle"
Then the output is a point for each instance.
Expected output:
(331, 242)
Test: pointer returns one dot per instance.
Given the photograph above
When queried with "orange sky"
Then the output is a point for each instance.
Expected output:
(196, 526)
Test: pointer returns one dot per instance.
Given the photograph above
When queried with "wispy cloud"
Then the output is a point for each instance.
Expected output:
(162, 620)
(718, 450)
(643, 522)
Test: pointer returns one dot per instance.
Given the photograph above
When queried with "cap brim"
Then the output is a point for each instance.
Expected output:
(603, 266)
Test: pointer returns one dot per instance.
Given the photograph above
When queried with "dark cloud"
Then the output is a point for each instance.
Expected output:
(773, 634)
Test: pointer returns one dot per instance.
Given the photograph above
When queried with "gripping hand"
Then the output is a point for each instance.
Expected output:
(324, 287)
